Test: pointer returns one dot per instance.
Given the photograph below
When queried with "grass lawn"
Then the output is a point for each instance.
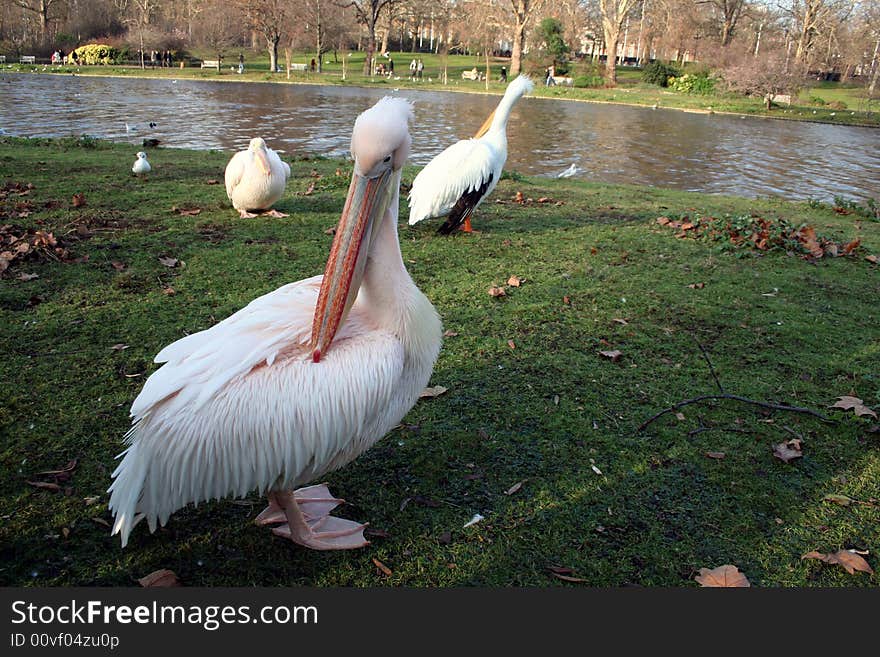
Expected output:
(630, 89)
(538, 431)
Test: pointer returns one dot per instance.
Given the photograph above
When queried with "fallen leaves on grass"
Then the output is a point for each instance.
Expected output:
(760, 234)
(213, 181)
(118, 266)
(715, 455)
(872, 259)
(726, 576)
(45, 485)
(27, 277)
(842, 500)
(846, 558)
(511, 344)
(381, 566)
(855, 404)
(620, 320)
(169, 262)
(788, 451)
(449, 333)
(79, 200)
(514, 488)
(613, 355)
(310, 189)
(431, 392)
(515, 281)
(119, 347)
(565, 574)
(163, 578)
(697, 286)
(19, 244)
(496, 291)
(186, 212)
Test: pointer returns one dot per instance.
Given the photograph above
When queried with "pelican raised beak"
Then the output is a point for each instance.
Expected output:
(485, 127)
(263, 161)
(368, 199)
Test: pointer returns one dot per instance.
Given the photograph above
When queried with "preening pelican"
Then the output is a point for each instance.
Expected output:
(255, 179)
(300, 381)
(141, 165)
(456, 181)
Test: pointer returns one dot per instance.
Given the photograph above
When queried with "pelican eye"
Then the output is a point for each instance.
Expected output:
(387, 159)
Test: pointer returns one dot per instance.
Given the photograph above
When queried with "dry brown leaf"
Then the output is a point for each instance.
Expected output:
(514, 488)
(189, 212)
(311, 189)
(169, 291)
(91, 500)
(118, 266)
(842, 500)
(566, 300)
(567, 578)
(663, 220)
(620, 320)
(519, 197)
(858, 407)
(544, 199)
(726, 576)
(697, 286)
(159, 578)
(119, 347)
(435, 391)
(45, 485)
(213, 181)
(27, 277)
(788, 451)
(715, 455)
(381, 566)
(680, 416)
(79, 200)
(846, 558)
(100, 521)
(511, 344)
(851, 246)
(515, 281)
(497, 291)
(613, 354)
(169, 262)
(872, 258)
(449, 333)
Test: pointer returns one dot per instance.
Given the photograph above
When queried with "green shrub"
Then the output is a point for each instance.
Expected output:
(97, 53)
(693, 83)
(659, 73)
(583, 81)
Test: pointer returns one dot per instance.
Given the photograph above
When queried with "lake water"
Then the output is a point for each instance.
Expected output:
(719, 154)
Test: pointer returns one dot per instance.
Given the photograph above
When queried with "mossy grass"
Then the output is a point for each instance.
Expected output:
(529, 399)
(630, 89)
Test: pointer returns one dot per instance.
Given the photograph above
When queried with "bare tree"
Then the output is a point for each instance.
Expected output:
(219, 28)
(269, 19)
(368, 13)
(522, 12)
(614, 13)
(727, 15)
(766, 77)
(45, 10)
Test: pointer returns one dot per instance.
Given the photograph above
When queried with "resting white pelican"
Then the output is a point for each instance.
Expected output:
(299, 382)
(141, 165)
(255, 179)
(456, 181)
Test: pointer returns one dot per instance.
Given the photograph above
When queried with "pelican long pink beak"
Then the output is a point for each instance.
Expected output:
(263, 161)
(367, 201)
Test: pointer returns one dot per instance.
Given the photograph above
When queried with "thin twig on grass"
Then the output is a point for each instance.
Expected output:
(746, 400)
(711, 368)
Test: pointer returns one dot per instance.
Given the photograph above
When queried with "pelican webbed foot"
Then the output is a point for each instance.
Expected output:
(275, 213)
(244, 214)
(308, 520)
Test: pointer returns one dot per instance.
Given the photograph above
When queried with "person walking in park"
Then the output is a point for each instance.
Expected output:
(412, 70)
(240, 63)
(419, 68)
(503, 74)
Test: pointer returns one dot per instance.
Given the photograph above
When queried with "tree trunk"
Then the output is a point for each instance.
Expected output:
(319, 36)
(516, 53)
(272, 44)
(612, 34)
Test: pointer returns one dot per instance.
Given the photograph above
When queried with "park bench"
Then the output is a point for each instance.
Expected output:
(298, 67)
(563, 80)
(211, 63)
(473, 74)
(27, 59)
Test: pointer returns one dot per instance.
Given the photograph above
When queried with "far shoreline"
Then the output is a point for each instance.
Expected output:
(324, 82)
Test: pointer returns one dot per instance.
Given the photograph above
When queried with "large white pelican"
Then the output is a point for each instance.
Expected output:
(255, 179)
(299, 382)
(456, 181)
